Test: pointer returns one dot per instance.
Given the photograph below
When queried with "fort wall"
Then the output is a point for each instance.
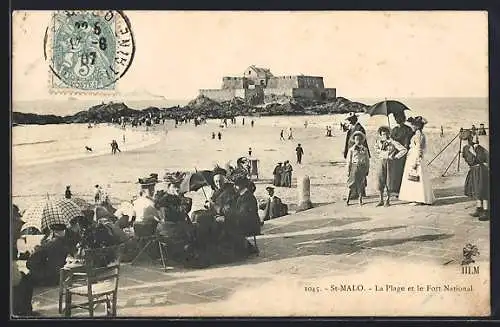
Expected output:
(257, 83)
(233, 82)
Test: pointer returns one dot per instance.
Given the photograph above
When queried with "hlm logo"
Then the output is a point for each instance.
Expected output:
(469, 252)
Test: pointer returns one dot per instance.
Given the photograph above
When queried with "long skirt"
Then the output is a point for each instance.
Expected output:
(177, 235)
(477, 183)
(396, 168)
(356, 182)
(284, 179)
(277, 180)
(416, 191)
(205, 226)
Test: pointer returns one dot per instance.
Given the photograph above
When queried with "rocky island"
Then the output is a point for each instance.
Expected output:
(200, 106)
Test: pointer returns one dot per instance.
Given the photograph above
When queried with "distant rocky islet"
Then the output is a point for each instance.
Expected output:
(200, 106)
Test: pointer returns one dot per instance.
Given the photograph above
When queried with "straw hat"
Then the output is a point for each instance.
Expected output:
(269, 188)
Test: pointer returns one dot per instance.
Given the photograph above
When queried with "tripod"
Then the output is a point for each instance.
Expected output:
(460, 135)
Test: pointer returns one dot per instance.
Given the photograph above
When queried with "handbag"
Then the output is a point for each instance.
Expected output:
(413, 176)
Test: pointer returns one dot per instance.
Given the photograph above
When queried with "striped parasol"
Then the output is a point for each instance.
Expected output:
(50, 212)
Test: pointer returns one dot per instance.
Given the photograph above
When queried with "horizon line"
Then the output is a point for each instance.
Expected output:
(189, 99)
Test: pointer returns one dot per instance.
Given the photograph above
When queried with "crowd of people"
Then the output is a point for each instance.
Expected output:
(218, 232)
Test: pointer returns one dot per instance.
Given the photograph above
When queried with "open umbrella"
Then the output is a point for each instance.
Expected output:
(50, 212)
(83, 204)
(192, 182)
(387, 107)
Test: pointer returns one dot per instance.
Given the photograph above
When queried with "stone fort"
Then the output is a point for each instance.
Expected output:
(258, 85)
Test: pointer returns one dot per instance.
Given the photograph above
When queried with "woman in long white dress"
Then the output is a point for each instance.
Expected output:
(416, 185)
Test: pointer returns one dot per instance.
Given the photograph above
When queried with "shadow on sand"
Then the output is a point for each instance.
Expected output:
(346, 241)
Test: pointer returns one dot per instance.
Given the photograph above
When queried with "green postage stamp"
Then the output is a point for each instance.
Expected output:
(88, 50)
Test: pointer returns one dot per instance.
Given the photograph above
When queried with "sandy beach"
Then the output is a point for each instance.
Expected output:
(189, 148)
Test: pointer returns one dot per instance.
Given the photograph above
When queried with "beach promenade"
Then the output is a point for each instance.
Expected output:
(320, 249)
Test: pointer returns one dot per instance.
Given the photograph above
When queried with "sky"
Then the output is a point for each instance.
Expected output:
(362, 54)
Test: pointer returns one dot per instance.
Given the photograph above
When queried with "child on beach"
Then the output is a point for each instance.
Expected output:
(387, 150)
(358, 165)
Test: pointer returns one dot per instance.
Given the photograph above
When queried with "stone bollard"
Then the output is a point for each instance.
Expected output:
(304, 189)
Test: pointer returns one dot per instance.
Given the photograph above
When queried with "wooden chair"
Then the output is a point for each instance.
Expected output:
(68, 279)
(96, 282)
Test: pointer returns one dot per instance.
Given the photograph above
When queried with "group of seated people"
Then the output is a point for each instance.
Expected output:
(215, 234)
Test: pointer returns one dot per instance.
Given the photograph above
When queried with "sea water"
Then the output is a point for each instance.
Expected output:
(36, 144)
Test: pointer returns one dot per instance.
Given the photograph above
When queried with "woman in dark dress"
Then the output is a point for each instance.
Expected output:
(278, 170)
(175, 226)
(477, 181)
(402, 134)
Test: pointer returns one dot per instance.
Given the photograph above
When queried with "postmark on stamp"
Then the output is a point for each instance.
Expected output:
(88, 50)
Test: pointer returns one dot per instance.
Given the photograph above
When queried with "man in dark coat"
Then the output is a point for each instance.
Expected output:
(300, 152)
(273, 207)
(354, 126)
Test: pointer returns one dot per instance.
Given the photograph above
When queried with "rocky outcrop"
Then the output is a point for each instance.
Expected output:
(200, 106)
(19, 118)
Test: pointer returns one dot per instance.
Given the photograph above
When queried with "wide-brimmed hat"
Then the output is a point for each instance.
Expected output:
(418, 121)
(269, 188)
(359, 133)
(150, 180)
